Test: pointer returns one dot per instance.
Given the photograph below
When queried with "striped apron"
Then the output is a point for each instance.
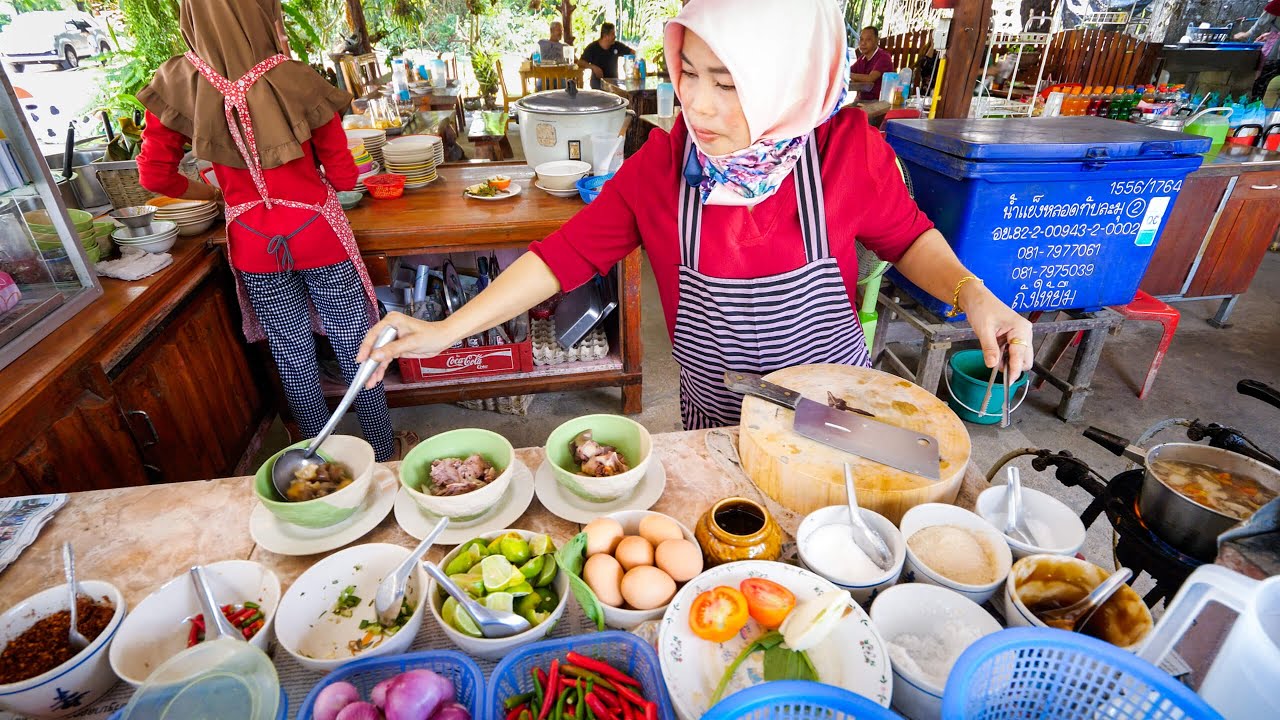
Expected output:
(759, 325)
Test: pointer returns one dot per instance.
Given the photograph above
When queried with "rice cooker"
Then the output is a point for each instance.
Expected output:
(558, 124)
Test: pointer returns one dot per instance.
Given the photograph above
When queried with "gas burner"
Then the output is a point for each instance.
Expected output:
(1136, 545)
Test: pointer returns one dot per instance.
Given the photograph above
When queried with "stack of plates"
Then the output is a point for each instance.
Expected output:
(191, 217)
(415, 157)
(373, 141)
(157, 237)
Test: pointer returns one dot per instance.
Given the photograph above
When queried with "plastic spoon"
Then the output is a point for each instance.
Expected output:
(492, 623)
(1076, 615)
(289, 464)
(864, 536)
(392, 588)
(1015, 526)
(78, 640)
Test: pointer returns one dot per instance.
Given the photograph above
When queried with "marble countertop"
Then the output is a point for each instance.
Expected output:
(138, 538)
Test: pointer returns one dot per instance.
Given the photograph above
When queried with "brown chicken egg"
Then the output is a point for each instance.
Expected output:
(634, 551)
(680, 559)
(603, 535)
(645, 588)
(656, 528)
(603, 575)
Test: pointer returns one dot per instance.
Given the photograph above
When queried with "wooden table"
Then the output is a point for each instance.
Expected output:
(444, 98)
(439, 219)
(488, 146)
(664, 123)
(552, 77)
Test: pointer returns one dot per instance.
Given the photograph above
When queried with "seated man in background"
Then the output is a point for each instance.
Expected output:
(602, 55)
(871, 64)
(552, 49)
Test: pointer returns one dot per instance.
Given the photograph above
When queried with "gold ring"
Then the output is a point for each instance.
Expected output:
(1017, 341)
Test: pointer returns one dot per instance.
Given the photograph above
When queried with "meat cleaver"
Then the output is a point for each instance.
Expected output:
(906, 450)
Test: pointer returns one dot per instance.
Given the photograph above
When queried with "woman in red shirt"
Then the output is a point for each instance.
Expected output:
(268, 124)
(750, 211)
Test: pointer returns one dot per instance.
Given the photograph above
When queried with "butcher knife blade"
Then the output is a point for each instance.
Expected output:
(907, 450)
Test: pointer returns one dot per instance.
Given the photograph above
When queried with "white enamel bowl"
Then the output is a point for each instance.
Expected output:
(866, 590)
(625, 618)
(931, 514)
(1046, 515)
(561, 174)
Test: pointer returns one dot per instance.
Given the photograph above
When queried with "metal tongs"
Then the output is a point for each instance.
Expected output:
(1001, 365)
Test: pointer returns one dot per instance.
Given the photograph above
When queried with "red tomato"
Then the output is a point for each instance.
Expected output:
(768, 602)
(718, 614)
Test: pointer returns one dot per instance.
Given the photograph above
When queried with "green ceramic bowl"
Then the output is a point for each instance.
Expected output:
(40, 222)
(415, 472)
(331, 509)
(630, 438)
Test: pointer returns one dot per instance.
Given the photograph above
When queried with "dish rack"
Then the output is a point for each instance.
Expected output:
(468, 680)
(622, 650)
(547, 350)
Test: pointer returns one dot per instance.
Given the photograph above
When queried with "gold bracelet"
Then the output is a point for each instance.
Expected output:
(955, 298)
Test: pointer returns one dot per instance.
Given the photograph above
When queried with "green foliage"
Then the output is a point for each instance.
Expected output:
(23, 6)
(154, 27)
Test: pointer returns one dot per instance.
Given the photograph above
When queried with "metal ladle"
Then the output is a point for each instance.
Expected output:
(1015, 525)
(291, 463)
(865, 536)
(492, 623)
(1076, 615)
(77, 639)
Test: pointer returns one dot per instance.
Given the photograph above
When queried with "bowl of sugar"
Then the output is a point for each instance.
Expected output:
(826, 547)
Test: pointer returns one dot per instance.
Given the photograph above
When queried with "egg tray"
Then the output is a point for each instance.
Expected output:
(548, 351)
(506, 405)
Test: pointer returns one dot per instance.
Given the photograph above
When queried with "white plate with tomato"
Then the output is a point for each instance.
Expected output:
(718, 614)
(498, 187)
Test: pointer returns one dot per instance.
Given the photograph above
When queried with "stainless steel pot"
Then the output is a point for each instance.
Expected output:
(1177, 519)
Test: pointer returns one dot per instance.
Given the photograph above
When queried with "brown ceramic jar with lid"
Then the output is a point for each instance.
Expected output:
(738, 529)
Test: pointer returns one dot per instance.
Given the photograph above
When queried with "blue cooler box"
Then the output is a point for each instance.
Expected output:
(1052, 213)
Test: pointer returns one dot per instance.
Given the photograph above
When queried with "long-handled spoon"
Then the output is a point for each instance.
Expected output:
(492, 623)
(1076, 615)
(865, 536)
(78, 640)
(392, 588)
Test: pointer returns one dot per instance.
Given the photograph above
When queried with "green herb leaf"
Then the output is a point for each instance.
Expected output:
(570, 559)
(782, 663)
(573, 555)
(765, 642)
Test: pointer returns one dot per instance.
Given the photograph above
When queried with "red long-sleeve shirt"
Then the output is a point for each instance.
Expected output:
(866, 201)
(299, 180)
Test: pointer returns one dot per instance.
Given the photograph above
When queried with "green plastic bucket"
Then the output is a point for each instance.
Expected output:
(968, 383)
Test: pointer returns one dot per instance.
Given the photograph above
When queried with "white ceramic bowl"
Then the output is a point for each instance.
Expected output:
(84, 678)
(1057, 529)
(930, 514)
(195, 227)
(865, 591)
(132, 236)
(1132, 620)
(156, 247)
(496, 648)
(624, 618)
(561, 174)
(630, 437)
(157, 630)
(415, 472)
(306, 626)
(921, 609)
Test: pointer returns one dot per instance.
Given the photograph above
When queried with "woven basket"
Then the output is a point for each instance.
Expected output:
(119, 181)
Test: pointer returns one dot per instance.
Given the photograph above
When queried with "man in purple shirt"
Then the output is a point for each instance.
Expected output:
(872, 62)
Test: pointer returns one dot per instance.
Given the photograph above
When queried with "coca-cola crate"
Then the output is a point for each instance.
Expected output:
(462, 362)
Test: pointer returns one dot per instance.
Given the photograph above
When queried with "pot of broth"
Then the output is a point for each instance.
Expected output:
(1191, 493)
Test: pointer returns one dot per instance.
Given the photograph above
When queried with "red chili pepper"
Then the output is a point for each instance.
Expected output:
(542, 677)
(650, 711)
(628, 713)
(571, 682)
(553, 690)
(237, 618)
(226, 609)
(604, 669)
(569, 713)
(597, 707)
(626, 694)
(609, 699)
(515, 712)
(252, 629)
(198, 621)
(193, 635)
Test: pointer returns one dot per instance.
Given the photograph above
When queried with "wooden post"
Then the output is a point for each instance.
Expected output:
(355, 17)
(566, 18)
(966, 48)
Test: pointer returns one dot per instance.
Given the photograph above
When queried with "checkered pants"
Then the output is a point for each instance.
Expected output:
(280, 301)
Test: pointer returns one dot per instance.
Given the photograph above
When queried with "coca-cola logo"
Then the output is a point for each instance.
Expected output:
(464, 361)
(470, 362)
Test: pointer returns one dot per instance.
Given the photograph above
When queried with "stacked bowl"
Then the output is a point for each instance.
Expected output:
(192, 217)
(415, 157)
(360, 155)
(157, 237)
(372, 139)
(46, 235)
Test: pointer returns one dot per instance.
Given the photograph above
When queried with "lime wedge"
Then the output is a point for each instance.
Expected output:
(470, 582)
(548, 600)
(503, 601)
(459, 619)
(528, 603)
(496, 572)
(535, 617)
(548, 572)
(520, 589)
(461, 563)
(495, 545)
(542, 545)
(476, 547)
(516, 550)
(533, 568)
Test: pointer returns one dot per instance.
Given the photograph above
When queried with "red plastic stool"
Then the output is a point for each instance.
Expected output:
(1143, 307)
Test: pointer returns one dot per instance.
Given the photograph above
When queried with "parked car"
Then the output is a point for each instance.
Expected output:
(60, 37)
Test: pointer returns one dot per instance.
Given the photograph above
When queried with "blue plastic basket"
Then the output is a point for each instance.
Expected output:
(589, 186)
(622, 650)
(797, 700)
(468, 680)
(1046, 673)
(282, 710)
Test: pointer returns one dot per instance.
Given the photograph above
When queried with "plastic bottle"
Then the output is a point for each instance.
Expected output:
(1070, 101)
(400, 79)
(1095, 101)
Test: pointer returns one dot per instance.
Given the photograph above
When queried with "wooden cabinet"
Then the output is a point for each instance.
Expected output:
(1183, 234)
(1239, 242)
(74, 439)
(190, 396)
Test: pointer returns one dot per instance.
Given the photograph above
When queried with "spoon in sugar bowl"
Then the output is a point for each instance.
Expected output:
(865, 536)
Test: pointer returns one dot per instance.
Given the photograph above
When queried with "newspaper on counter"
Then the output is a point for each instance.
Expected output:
(20, 521)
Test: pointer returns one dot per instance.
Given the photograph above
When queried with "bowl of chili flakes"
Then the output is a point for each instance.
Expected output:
(40, 676)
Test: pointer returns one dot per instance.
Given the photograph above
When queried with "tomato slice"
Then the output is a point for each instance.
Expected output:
(768, 602)
(718, 614)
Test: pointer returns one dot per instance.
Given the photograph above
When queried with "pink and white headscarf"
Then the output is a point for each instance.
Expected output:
(790, 63)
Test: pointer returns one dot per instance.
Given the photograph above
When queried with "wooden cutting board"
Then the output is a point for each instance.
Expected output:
(805, 475)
